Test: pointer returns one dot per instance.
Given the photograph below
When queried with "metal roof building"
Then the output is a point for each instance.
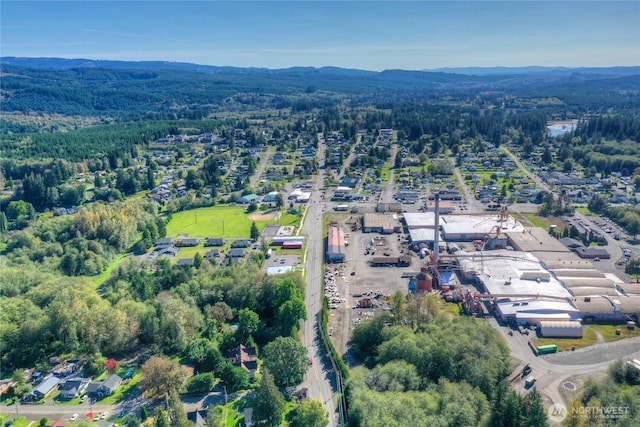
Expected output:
(420, 220)
(335, 244)
(533, 311)
(423, 235)
(535, 239)
(470, 227)
(597, 308)
(380, 223)
(512, 274)
(559, 329)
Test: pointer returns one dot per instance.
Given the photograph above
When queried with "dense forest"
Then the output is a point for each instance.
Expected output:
(425, 368)
(90, 90)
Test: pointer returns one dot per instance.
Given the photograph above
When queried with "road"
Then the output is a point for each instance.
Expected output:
(388, 190)
(53, 412)
(321, 378)
(552, 370)
(261, 166)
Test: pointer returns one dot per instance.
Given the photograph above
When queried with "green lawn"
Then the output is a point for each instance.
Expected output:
(100, 279)
(123, 391)
(566, 344)
(22, 422)
(609, 331)
(585, 211)
(214, 221)
(537, 221)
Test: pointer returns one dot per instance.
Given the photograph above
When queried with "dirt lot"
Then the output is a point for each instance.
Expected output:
(355, 279)
(259, 216)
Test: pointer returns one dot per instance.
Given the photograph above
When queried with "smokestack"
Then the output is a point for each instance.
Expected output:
(436, 243)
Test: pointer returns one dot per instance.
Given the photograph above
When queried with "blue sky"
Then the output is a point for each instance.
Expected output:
(371, 35)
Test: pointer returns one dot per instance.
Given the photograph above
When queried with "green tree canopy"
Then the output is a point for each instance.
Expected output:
(268, 404)
(287, 359)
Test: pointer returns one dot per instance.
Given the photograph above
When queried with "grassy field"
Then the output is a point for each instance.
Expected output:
(537, 221)
(609, 332)
(22, 422)
(218, 221)
(100, 279)
(585, 211)
(566, 344)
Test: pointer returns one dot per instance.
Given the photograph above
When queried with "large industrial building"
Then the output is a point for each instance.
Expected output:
(531, 277)
(380, 223)
(460, 228)
(335, 244)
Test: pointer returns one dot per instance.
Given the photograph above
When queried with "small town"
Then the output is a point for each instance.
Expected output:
(296, 214)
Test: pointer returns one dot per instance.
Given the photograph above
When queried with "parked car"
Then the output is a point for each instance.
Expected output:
(530, 381)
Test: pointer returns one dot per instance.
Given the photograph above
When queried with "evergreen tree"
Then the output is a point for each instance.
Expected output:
(177, 416)
(162, 419)
(534, 412)
(255, 233)
(268, 404)
(197, 260)
(4, 224)
(144, 413)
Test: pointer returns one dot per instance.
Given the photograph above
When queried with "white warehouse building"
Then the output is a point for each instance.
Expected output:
(560, 329)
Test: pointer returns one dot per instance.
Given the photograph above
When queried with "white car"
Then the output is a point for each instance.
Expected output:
(74, 417)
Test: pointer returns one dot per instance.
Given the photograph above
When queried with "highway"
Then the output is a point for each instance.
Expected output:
(321, 378)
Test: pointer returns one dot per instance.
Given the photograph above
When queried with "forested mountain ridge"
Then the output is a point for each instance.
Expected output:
(86, 87)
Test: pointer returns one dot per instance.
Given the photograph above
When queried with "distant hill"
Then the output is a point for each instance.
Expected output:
(67, 64)
(96, 87)
(536, 70)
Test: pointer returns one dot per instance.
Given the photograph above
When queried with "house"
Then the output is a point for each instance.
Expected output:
(110, 385)
(214, 253)
(248, 198)
(193, 241)
(46, 387)
(243, 357)
(242, 243)
(185, 262)
(271, 199)
(165, 241)
(168, 253)
(197, 417)
(214, 241)
(236, 253)
(349, 181)
(6, 384)
(71, 389)
(92, 389)
(104, 388)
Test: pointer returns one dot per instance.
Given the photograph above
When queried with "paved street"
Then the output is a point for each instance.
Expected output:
(320, 378)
